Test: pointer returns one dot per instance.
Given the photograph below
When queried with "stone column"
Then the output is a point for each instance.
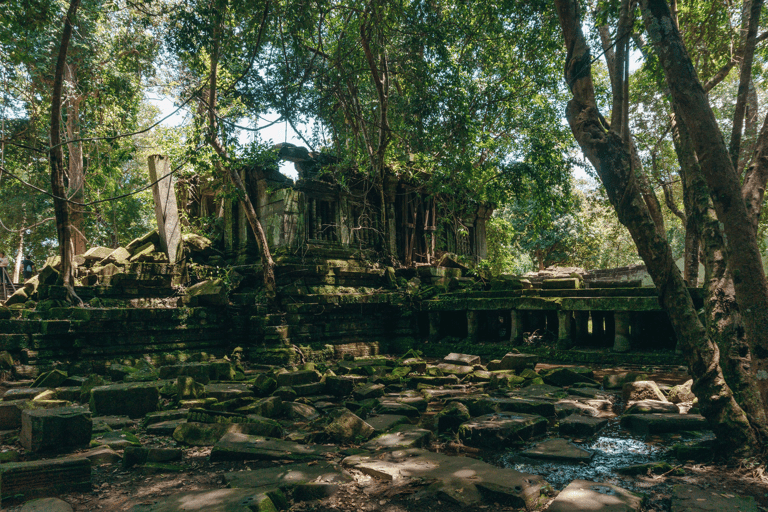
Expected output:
(581, 327)
(515, 326)
(434, 326)
(610, 328)
(166, 208)
(564, 340)
(621, 341)
(473, 325)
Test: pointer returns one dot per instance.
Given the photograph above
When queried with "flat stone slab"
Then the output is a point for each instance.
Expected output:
(217, 500)
(164, 428)
(501, 429)
(588, 392)
(287, 476)
(558, 449)
(407, 436)
(577, 425)
(384, 422)
(464, 479)
(462, 359)
(582, 495)
(223, 392)
(657, 423)
(134, 400)
(235, 446)
(455, 369)
(688, 498)
(565, 408)
(486, 405)
(652, 406)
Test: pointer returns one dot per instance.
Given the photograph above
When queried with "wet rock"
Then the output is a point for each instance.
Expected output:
(577, 425)
(349, 428)
(55, 429)
(681, 393)
(688, 498)
(403, 437)
(501, 429)
(287, 476)
(46, 505)
(464, 480)
(133, 399)
(462, 359)
(217, 500)
(641, 390)
(652, 406)
(656, 423)
(452, 416)
(236, 446)
(558, 449)
(582, 495)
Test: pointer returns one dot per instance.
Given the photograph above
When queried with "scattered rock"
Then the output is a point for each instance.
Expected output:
(134, 400)
(501, 429)
(641, 390)
(349, 428)
(217, 500)
(55, 429)
(651, 406)
(461, 359)
(582, 495)
(236, 446)
(577, 425)
(558, 449)
(656, 423)
(681, 393)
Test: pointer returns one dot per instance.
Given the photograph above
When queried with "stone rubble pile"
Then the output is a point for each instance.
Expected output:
(318, 427)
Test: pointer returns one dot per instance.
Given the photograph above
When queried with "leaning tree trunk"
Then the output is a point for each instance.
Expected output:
(744, 259)
(63, 226)
(76, 172)
(610, 156)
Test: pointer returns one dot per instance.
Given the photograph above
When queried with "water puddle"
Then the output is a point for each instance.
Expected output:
(613, 448)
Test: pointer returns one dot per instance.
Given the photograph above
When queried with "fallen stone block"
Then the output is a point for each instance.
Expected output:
(501, 429)
(298, 377)
(137, 455)
(656, 423)
(365, 391)
(44, 478)
(582, 495)
(349, 428)
(681, 393)
(566, 376)
(514, 361)
(577, 425)
(462, 359)
(55, 429)
(236, 446)
(134, 400)
(208, 434)
(641, 390)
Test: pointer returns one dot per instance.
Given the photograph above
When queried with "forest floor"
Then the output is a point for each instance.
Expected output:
(118, 489)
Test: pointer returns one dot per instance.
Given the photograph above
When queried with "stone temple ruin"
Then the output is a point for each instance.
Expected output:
(352, 374)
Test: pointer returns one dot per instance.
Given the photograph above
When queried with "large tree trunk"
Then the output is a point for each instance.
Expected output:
(610, 156)
(76, 174)
(63, 227)
(744, 259)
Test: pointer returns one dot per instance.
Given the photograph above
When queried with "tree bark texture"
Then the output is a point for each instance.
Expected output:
(60, 206)
(76, 171)
(743, 254)
(610, 156)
